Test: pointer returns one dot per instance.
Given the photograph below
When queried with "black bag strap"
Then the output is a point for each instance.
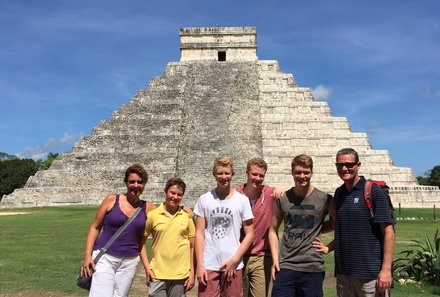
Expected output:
(117, 233)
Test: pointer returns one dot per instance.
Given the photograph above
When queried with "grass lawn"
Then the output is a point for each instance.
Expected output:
(40, 251)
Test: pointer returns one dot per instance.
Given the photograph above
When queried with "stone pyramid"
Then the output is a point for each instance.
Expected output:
(219, 99)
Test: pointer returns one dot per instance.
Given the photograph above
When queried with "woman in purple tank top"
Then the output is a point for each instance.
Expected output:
(114, 272)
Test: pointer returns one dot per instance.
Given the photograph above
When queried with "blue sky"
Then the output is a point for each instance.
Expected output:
(66, 65)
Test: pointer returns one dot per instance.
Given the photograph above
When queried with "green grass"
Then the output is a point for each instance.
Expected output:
(42, 250)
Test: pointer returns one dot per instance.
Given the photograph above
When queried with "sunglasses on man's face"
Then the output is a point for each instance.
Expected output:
(347, 165)
(139, 182)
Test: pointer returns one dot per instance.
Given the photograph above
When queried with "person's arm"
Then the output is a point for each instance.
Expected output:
(385, 277)
(189, 283)
(150, 206)
(149, 275)
(93, 233)
(145, 262)
(329, 225)
(273, 237)
(202, 274)
(231, 264)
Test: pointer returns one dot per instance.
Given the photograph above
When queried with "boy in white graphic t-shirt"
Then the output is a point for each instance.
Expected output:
(221, 213)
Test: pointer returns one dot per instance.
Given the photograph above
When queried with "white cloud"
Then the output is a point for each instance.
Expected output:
(52, 145)
(321, 92)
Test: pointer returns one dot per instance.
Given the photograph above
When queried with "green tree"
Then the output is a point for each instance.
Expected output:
(431, 177)
(14, 174)
(422, 180)
(50, 158)
(434, 176)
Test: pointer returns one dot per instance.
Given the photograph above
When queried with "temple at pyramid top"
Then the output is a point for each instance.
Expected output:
(218, 99)
(218, 44)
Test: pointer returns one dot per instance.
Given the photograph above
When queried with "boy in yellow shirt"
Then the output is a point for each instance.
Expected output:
(171, 269)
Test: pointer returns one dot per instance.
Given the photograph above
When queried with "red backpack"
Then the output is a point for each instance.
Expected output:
(367, 195)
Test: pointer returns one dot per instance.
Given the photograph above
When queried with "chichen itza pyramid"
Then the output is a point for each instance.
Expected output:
(219, 99)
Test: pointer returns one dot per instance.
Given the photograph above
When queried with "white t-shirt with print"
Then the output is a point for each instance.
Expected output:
(223, 223)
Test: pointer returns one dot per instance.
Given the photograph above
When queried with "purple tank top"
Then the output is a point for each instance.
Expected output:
(127, 243)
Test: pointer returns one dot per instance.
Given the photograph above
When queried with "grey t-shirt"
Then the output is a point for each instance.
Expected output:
(303, 218)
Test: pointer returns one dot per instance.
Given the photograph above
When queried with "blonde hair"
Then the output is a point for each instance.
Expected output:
(223, 161)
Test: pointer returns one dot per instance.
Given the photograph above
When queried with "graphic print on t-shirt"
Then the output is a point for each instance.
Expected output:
(221, 221)
(302, 216)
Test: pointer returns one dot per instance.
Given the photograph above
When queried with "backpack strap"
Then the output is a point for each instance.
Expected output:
(367, 195)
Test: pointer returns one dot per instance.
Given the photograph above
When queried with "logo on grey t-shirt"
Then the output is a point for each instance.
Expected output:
(221, 222)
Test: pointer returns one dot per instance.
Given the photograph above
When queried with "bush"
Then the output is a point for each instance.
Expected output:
(422, 263)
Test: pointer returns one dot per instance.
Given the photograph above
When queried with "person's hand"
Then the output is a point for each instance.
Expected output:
(275, 269)
(229, 266)
(189, 282)
(202, 276)
(87, 267)
(384, 280)
(188, 211)
(319, 246)
(277, 193)
(149, 275)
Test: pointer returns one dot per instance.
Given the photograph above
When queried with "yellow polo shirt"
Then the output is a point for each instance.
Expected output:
(170, 251)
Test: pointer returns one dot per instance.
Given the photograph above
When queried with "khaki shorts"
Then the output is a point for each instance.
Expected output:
(256, 276)
(347, 286)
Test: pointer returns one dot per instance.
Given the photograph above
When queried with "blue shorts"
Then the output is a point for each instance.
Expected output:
(298, 284)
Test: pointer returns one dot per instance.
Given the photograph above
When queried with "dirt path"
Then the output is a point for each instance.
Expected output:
(10, 213)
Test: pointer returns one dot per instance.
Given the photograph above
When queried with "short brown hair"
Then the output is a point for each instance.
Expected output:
(302, 160)
(348, 151)
(137, 169)
(224, 161)
(175, 181)
(257, 161)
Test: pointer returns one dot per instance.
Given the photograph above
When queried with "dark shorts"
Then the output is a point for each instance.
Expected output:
(298, 284)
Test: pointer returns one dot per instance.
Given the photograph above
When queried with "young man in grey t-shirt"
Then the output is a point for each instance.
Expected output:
(298, 269)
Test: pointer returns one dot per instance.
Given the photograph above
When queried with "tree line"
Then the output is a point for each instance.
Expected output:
(14, 171)
(431, 177)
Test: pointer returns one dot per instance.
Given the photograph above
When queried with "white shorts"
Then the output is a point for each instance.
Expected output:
(113, 276)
